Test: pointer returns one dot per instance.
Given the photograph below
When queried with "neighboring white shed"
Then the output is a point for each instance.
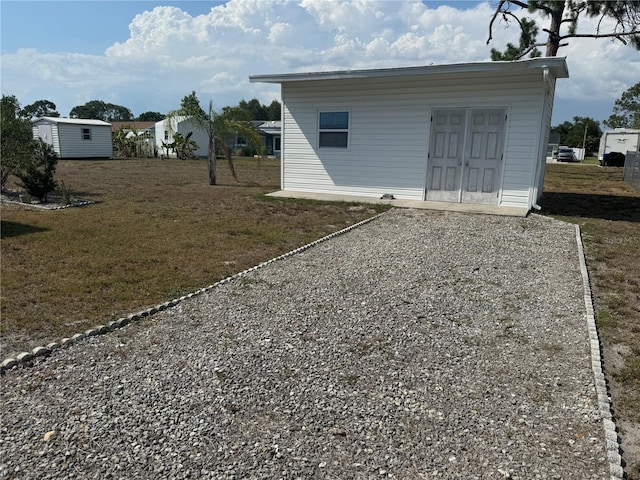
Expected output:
(462, 133)
(165, 129)
(75, 137)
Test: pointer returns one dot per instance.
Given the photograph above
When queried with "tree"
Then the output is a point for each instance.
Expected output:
(99, 110)
(528, 33)
(624, 13)
(150, 117)
(583, 130)
(258, 111)
(183, 146)
(16, 137)
(232, 120)
(254, 108)
(219, 126)
(32, 161)
(274, 111)
(190, 106)
(41, 108)
(626, 110)
(37, 171)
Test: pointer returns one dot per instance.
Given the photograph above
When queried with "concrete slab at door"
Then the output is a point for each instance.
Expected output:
(446, 151)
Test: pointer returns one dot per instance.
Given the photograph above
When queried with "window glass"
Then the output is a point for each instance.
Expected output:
(334, 120)
(334, 139)
(86, 134)
(333, 131)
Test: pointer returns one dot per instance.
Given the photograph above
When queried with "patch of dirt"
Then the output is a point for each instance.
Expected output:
(630, 447)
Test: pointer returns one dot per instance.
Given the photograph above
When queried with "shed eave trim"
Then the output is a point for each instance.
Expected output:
(557, 65)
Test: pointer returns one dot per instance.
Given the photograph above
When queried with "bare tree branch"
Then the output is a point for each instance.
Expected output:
(618, 35)
(518, 3)
(493, 19)
(529, 49)
(504, 13)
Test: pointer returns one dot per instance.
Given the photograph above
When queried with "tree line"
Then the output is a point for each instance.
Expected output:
(33, 162)
(586, 132)
(109, 112)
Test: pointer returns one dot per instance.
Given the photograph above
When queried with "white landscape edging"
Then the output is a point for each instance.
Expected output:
(604, 402)
(25, 357)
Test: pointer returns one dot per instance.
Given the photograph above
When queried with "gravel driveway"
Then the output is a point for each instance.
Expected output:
(420, 345)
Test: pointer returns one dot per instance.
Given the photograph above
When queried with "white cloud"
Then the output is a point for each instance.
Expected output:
(170, 52)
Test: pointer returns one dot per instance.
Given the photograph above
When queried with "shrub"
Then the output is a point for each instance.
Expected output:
(36, 171)
(4, 175)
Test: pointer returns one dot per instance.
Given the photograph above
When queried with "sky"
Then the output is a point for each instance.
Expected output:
(147, 55)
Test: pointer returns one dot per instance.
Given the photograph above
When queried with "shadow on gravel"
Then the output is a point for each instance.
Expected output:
(607, 207)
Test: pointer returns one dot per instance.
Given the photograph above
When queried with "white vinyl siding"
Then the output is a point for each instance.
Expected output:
(72, 142)
(389, 131)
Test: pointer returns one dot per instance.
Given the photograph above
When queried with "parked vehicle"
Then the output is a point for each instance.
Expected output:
(566, 155)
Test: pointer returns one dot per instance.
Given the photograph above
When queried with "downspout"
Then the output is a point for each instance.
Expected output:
(547, 89)
(547, 81)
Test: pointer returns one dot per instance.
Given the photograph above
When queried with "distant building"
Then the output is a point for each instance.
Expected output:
(167, 128)
(271, 132)
(75, 137)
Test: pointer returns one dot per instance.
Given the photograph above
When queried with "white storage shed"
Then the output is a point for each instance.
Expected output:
(459, 133)
(75, 137)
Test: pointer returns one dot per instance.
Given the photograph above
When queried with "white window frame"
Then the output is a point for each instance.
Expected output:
(335, 130)
(86, 133)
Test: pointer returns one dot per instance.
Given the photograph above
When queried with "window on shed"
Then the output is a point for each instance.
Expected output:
(86, 134)
(166, 135)
(333, 131)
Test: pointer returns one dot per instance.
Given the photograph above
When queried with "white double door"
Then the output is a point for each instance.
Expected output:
(465, 155)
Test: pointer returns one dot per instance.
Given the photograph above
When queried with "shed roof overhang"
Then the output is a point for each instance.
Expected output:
(75, 121)
(555, 65)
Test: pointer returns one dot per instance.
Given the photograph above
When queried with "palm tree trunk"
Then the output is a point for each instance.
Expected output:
(211, 160)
